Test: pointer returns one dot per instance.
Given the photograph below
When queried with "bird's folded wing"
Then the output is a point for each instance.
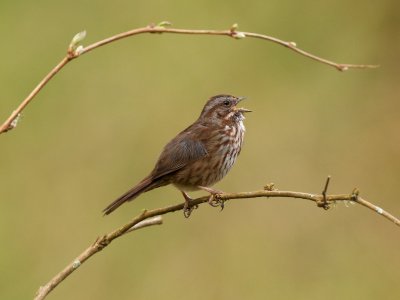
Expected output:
(178, 153)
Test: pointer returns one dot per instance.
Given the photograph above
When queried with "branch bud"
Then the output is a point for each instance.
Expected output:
(78, 50)
(76, 264)
(234, 27)
(14, 122)
(79, 37)
(164, 24)
(238, 35)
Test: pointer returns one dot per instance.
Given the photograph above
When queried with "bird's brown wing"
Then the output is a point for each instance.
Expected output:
(179, 152)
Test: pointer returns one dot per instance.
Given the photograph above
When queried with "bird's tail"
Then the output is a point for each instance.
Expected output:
(145, 185)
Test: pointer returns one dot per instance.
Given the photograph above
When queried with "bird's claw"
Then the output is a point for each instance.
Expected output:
(187, 212)
(187, 209)
(215, 200)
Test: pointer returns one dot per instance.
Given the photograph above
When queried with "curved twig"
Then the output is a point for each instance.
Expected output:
(74, 52)
(147, 215)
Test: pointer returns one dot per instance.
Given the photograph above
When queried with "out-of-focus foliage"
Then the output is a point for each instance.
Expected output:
(98, 127)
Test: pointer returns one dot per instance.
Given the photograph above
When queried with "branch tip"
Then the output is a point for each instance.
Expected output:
(324, 202)
(328, 179)
(157, 220)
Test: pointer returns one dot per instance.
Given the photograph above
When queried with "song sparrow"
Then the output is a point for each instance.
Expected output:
(200, 155)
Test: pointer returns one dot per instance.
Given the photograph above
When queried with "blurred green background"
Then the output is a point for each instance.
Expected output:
(99, 126)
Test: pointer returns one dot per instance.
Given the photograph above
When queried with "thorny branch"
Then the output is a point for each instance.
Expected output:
(148, 218)
(75, 50)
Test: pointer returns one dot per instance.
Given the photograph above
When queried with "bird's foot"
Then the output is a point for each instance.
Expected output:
(215, 199)
(187, 208)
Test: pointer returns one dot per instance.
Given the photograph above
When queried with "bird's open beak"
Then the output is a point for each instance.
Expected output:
(242, 110)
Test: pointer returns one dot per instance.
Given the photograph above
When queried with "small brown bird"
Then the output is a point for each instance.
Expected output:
(199, 156)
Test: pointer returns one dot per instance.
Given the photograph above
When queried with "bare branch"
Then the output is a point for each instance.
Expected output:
(157, 220)
(98, 245)
(9, 123)
(75, 50)
(146, 218)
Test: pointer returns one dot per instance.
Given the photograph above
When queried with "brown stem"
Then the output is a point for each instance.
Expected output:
(105, 240)
(8, 124)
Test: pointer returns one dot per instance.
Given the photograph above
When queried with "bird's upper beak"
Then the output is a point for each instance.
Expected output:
(242, 110)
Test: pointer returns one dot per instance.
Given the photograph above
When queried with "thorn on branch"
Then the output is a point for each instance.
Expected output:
(324, 202)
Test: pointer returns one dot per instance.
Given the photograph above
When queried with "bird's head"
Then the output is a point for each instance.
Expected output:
(223, 107)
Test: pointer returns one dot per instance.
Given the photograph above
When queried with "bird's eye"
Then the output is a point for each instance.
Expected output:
(227, 102)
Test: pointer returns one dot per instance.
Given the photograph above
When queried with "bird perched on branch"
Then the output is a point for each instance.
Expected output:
(199, 156)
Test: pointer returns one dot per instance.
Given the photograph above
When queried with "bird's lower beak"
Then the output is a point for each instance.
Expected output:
(242, 110)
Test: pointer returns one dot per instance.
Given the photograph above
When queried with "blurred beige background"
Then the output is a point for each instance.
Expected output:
(99, 126)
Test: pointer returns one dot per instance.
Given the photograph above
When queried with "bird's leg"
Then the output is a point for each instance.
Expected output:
(215, 199)
(187, 209)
